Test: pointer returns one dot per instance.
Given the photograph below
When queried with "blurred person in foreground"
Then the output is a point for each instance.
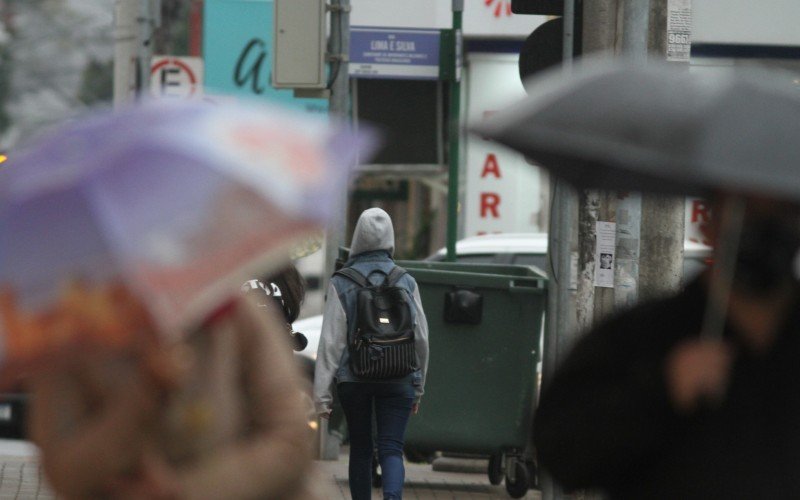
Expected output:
(646, 407)
(227, 421)
(393, 399)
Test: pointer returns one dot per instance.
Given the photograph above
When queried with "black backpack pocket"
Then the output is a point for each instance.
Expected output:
(377, 358)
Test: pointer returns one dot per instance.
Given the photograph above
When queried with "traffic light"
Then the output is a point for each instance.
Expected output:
(3, 157)
(544, 47)
(541, 7)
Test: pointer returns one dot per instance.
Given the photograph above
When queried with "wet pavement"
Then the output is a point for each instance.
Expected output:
(21, 478)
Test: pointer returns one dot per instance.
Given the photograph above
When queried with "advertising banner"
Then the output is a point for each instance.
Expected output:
(489, 19)
(503, 192)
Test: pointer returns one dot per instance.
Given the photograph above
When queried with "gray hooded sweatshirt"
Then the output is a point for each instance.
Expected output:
(371, 254)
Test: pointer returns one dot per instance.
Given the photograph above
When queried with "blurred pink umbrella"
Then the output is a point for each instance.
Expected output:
(165, 208)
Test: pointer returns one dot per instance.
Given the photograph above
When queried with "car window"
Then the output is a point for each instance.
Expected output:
(529, 259)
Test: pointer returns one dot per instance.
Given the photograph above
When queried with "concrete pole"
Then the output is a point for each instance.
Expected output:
(134, 23)
(149, 18)
(340, 110)
(599, 36)
(635, 26)
(125, 44)
(663, 231)
(339, 106)
(558, 329)
(648, 225)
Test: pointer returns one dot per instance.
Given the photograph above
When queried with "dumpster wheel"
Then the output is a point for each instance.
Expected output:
(518, 488)
(495, 469)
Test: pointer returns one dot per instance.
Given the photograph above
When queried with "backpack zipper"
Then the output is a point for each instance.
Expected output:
(388, 341)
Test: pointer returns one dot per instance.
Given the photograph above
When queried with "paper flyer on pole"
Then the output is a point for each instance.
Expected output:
(604, 254)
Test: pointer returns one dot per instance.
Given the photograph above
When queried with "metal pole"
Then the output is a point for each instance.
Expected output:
(454, 131)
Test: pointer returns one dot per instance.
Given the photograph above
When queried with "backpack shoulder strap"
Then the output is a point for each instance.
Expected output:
(394, 276)
(354, 276)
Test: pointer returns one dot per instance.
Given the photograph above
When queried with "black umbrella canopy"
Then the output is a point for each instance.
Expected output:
(660, 128)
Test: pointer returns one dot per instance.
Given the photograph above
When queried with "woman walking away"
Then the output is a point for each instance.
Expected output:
(374, 346)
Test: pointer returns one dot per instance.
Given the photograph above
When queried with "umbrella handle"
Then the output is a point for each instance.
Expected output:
(722, 274)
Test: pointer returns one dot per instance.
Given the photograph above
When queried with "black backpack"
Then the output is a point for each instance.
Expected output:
(382, 343)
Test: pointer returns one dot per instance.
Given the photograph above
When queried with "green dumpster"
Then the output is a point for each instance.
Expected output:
(482, 377)
(485, 323)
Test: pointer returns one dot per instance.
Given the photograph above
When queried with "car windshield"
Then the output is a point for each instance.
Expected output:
(476, 259)
(529, 259)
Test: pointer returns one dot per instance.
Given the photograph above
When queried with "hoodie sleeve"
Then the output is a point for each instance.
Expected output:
(421, 343)
(332, 343)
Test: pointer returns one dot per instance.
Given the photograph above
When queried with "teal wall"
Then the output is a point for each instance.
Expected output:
(237, 49)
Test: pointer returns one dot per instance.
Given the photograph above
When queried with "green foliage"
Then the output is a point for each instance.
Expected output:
(98, 82)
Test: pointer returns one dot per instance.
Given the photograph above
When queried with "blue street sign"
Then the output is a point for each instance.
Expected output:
(394, 53)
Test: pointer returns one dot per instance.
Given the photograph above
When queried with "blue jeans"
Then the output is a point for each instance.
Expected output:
(392, 403)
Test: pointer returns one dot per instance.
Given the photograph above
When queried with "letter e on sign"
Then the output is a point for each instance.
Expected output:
(176, 77)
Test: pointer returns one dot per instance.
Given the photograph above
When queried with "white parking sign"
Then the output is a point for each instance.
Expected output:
(176, 77)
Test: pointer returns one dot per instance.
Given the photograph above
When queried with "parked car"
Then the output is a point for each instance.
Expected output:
(311, 328)
(13, 406)
(531, 249)
(509, 248)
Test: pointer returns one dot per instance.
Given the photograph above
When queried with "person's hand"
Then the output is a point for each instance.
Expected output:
(415, 408)
(697, 371)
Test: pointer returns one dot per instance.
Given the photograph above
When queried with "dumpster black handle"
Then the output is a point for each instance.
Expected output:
(513, 287)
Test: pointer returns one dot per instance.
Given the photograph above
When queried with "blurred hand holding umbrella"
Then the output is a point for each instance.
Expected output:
(156, 212)
(664, 129)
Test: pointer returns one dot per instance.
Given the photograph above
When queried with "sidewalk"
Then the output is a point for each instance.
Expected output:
(21, 479)
(422, 483)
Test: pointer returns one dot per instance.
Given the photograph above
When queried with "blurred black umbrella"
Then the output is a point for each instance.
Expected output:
(666, 129)
(660, 128)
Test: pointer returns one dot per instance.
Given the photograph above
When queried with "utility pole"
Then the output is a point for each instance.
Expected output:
(149, 18)
(339, 109)
(134, 24)
(650, 233)
(649, 228)
(125, 44)
(559, 333)
(663, 221)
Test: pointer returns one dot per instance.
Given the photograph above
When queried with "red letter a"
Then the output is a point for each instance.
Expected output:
(490, 166)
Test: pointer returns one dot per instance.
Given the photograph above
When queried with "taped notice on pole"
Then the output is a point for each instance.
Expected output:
(679, 30)
(604, 254)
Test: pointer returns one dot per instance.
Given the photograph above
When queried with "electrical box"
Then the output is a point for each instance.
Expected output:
(299, 33)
